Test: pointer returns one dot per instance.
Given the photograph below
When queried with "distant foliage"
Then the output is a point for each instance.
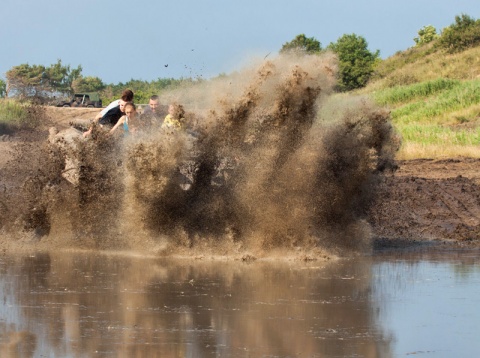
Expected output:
(59, 78)
(426, 35)
(87, 84)
(3, 88)
(304, 44)
(356, 62)
(25, 80)
(39, 82)
(143, 90)
(461, 35)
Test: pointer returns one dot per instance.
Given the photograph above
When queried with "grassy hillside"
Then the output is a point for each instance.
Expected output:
(434, 98)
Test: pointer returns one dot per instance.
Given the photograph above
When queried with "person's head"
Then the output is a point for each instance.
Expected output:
(122, 105)
(154, 103)
(127, 95)
(171, 110)
(176, 111)
(130, 109)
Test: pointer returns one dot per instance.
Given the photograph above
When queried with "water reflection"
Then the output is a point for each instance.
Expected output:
(89, 304)
(429, 301)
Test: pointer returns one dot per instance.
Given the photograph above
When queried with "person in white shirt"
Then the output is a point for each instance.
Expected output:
(115, 106)
(127, 96)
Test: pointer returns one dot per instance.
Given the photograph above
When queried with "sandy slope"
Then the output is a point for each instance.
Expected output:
(61, 117)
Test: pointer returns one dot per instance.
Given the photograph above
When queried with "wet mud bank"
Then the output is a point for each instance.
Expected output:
(429, 202)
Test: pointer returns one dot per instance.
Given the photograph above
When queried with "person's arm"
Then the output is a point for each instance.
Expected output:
(119, 123)
(87, 133)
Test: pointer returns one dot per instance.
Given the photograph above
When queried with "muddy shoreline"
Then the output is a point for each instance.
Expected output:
(429, 202)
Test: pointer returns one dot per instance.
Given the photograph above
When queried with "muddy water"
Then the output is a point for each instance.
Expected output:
(79, 304)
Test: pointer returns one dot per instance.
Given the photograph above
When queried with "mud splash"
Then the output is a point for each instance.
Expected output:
(273, 160)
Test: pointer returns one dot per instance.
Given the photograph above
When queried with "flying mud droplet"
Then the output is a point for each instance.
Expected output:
(272, 160)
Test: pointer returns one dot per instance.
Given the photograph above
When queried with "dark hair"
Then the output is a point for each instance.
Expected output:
(127, 95)
(154, 97)
(130, 104)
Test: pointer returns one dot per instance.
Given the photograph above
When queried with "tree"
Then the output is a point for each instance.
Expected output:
(463, 22)
(26, 81)
(87, 84)
(425, 35)
(356, 62)
(463, 34)
(144, 89)
(3, 88)
(304, 44)
(59, 78)
(74, 74)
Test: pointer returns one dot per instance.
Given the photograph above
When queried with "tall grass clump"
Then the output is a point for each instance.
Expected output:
(435, 107)
(15, 115)
(434, 116)
(433, 141)
(403, 94)
(432, 134)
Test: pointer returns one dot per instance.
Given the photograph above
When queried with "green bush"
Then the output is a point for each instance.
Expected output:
(426, 35)
(461, 35)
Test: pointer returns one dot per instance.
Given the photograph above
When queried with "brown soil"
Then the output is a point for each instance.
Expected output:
(54, 116)
(62, 117)
(428, 201)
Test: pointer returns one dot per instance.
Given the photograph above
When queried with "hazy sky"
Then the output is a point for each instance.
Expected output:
(122, 40)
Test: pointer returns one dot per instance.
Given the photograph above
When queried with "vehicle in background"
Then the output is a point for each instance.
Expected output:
(90, 100)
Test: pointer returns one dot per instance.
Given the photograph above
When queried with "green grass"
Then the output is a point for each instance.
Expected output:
(429, 101)
(440, 113)
(12, 111)
(437, 135)
(15, 115)
(403, 94)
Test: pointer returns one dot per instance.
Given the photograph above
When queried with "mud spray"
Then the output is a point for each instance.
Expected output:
(273, 161)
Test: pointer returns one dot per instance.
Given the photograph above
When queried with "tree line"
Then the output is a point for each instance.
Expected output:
(356, 66)
(44, 84)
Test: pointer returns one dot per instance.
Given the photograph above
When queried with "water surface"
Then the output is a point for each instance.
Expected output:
(83, 304)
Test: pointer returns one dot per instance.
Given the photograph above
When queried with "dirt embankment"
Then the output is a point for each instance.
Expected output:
(59, 117)
(429, 200)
